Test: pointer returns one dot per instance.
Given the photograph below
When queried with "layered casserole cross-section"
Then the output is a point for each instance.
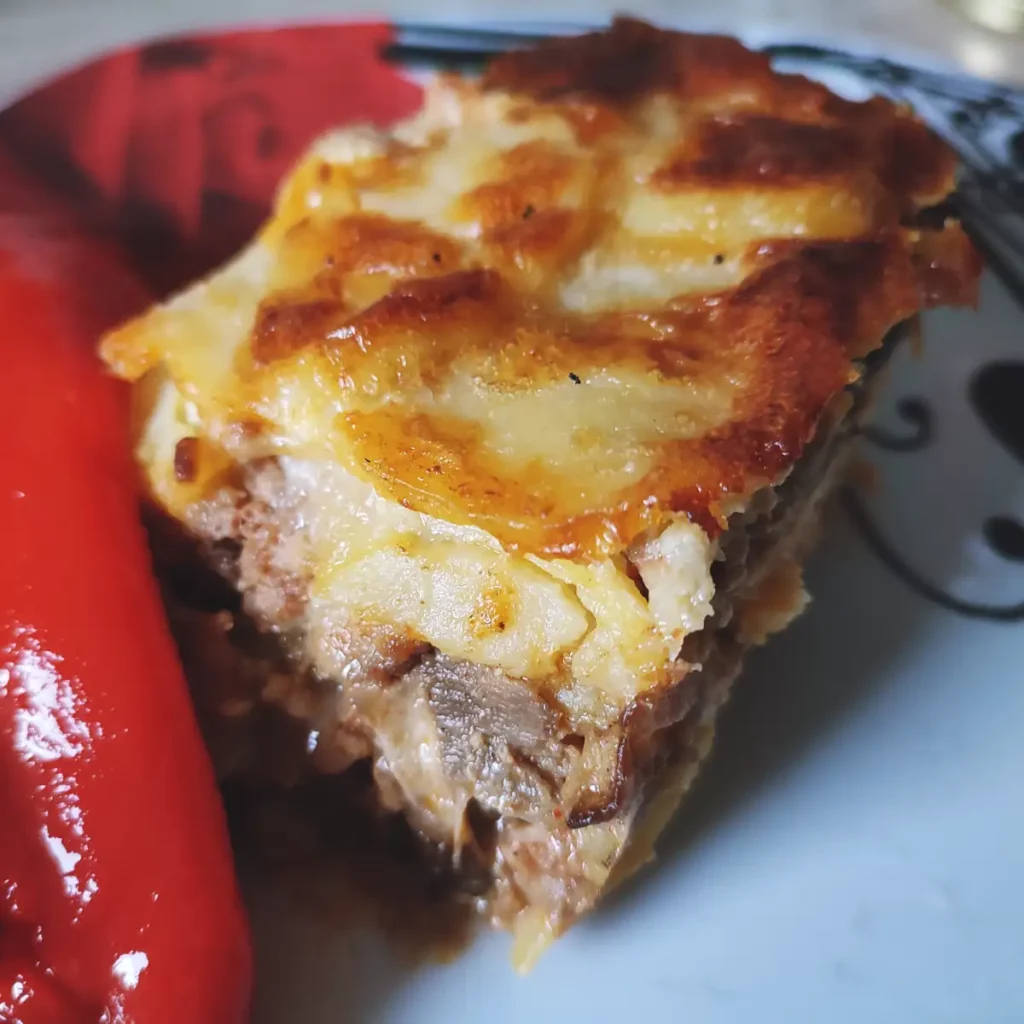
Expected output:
(510, 430)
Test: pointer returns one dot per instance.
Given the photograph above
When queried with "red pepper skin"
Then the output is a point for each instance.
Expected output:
(118, 901)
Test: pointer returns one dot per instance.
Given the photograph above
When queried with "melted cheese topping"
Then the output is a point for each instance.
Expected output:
(557, 312)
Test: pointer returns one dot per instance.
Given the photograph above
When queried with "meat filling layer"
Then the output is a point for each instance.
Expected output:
(537, 811)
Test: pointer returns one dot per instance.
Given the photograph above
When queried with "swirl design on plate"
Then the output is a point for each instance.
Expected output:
(995, 393)
(918, 415)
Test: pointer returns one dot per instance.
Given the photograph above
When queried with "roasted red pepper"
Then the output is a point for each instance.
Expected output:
(118, 901)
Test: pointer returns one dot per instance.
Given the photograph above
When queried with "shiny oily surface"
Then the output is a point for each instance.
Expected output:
(117, 892)
(562, 304)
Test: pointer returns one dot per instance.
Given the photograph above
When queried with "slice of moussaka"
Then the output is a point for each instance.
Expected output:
(509, 432)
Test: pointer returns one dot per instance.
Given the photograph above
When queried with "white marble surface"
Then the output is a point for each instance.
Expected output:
(39, 37)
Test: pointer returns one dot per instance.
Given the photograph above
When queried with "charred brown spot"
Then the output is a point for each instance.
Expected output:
(599, 803)
(345, 259)
(284, 327)
(649, 733)
(912, 159)
(550, 238)
(252, 428)
(463, 294)
(186, 460)
(755, 149)
(634, 574)
(527, 179)
(483, 826)
(623, 64)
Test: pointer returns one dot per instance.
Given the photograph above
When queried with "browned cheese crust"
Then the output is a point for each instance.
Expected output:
(374, 303)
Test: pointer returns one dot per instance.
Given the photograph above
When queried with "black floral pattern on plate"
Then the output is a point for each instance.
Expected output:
(996, 394)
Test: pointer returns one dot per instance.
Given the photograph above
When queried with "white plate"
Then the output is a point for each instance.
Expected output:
(854, 850)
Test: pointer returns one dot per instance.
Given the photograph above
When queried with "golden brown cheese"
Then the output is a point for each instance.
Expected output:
(604, 294)
(556, 306)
